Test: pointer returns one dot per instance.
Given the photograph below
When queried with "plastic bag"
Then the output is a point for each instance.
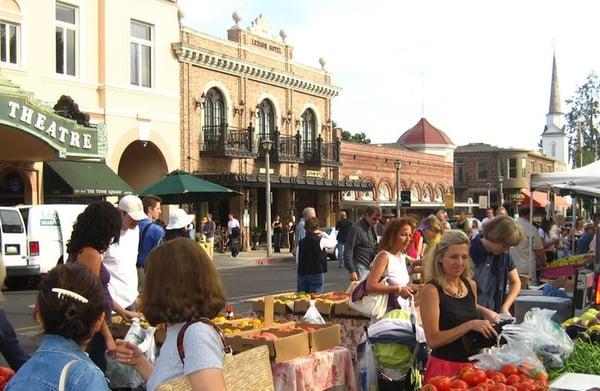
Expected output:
(514, 353)
(312, 315)
(543, 335)
(126, 376)
(367, 367)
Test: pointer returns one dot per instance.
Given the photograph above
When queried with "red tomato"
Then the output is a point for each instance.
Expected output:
(525, 387)
(509, 369)
(490, 373)
(464, 368)
(497, 387)
(499, 378)
(512, 380)
(459, 385)
(442, 383)
(542, 376)
(474, 377)
(511, 388)
(478, 388)
(526, 379)
(428, 387)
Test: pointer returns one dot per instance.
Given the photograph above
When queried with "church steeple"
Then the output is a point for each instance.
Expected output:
(555, 143)
(555, 103)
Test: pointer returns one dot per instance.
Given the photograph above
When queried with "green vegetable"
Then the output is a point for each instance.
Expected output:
(584, 359)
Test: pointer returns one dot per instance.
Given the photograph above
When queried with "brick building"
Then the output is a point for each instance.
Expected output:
(238, 91)
(504, 171)
(428, 176)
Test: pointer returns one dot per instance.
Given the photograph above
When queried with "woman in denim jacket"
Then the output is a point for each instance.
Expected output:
(70, 306)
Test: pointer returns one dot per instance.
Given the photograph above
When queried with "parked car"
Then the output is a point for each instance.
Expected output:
(48, 228)
(13, 244)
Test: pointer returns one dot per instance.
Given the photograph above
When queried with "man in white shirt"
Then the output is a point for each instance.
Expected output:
(233, 232)
(489, 214)
(523, 255)
(120, 258)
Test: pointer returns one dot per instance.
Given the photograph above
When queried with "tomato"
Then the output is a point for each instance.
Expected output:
(490, 373)
(525, 387)
(428, 387)
(464, 368)
(480, 387)
(441, 383)
(499, 378)
(459, 385)
(542, 376)
(513, 379)
(525, 379)
(510, 388)
(509, 369)
(474, 377)
(497, 387)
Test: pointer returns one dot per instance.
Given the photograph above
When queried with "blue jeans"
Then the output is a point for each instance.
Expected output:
(311, 283)
(9, 344)
(340, 254)
(361, 270)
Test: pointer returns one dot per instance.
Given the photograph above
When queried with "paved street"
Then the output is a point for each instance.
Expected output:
(242, 276)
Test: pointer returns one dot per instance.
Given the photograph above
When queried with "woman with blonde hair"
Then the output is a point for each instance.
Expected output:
(449, 308)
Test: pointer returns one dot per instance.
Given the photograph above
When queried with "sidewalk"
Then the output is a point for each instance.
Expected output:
(251, 258)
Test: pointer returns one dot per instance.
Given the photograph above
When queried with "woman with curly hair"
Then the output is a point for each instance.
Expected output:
(95, 229)
(182, 286)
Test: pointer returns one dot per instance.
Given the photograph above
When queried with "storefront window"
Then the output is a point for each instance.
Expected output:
(140, 54)
(9, 43)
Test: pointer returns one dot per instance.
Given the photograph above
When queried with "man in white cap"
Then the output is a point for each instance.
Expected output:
(120, 258)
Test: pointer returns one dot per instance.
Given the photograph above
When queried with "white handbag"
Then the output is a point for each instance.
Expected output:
(373, 305)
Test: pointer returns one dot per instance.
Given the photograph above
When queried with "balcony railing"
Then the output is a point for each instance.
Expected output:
(226, 141)
(321, 153)
(287, 148)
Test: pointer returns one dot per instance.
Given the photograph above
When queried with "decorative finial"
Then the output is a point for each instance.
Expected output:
(322, 62)
(283, 35)
(180, 12)
(236, 18)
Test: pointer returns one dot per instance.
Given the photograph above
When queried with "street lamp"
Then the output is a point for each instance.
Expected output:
(266, 146)
(397, 164)
(500, 180)
(489, 186)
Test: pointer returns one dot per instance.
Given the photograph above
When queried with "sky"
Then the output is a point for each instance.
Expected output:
(478, 70)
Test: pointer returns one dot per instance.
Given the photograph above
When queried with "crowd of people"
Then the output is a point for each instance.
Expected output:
(467, 274)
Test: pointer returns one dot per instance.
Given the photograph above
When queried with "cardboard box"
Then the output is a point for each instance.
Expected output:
(290, 345)
(344, 310)
(322, 336)
(258, 305)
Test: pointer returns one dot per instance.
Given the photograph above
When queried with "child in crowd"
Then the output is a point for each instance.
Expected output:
(70, 306)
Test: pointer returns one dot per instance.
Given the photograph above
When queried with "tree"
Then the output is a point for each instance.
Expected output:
(582, 122)
(360, 138)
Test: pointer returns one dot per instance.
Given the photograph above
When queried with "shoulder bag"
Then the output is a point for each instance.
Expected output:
(372, 305)
(246, 371)
(62, 381)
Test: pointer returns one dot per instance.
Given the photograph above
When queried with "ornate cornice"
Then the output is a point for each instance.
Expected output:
(223, 63)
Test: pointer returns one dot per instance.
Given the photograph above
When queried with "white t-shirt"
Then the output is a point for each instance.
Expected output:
(232, 224)
(202, 348)
(120, 260)
(397, 273)
(520, 253)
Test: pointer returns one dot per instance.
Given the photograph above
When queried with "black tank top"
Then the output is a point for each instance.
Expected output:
(454, 312)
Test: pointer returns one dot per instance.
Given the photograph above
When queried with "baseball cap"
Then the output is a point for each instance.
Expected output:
(133, 206)
(179, 219)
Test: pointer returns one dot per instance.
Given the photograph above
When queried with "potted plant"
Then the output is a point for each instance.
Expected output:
(255, 235)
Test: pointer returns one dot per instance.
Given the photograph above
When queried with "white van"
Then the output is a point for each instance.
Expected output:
(48, 230)
(13, 243)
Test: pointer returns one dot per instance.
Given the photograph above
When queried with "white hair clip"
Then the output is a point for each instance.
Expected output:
(65, 292)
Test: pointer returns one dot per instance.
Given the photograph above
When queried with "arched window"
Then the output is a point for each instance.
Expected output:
(384, 193)
(308, 129)
(265, 119)
(214, 113)
(426, 194)
(439, 195)
(367, 195)
(414, 193)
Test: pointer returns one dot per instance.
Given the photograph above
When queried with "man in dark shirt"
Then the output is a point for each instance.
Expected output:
(342, 227)
(494, 268)
(361, 244)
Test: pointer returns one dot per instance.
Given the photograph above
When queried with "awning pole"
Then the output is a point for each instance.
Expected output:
(532, 265)
(574, 221)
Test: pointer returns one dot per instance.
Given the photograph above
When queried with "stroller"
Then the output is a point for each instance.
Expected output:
(392, 354)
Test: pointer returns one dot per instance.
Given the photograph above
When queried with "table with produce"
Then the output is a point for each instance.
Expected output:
(333, 307)
(566, 266)
(536, 354)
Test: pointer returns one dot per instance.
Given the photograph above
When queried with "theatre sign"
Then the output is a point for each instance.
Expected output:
(65, 136)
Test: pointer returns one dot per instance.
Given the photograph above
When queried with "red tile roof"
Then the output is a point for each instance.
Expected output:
(424, 133)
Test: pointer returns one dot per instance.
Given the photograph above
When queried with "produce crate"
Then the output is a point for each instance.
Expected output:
(288, 345)
(560, 271)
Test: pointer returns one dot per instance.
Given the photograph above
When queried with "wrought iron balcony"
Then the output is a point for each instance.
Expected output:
(321, 153)
(226, 141)
(287, 148)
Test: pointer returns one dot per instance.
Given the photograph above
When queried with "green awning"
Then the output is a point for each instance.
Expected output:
(82, 178)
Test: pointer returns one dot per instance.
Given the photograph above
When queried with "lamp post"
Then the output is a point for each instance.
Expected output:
(489, 186)
(397, 164)
(266, 146)
(500, 180)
